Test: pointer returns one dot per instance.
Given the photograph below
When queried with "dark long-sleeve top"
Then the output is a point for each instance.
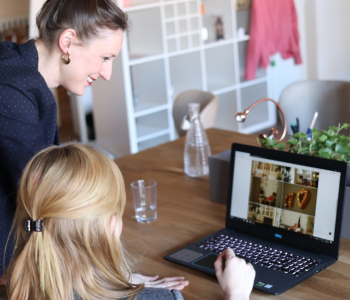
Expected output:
(27, 125)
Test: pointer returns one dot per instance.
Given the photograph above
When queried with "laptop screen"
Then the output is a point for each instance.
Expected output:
(288, 196)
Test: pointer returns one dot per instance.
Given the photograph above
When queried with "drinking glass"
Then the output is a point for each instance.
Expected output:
(144, 193)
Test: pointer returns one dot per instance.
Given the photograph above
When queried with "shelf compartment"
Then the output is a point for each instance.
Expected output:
(170, 28)
(242, 52)
(196, 40)
(227, 109)
(143, 42)
(148, 85)
(172, 45)
(184, 43)
(150, 125)
(193, 7)
(250, 95)
(185, 72)
(181, 9)
(154, 142)
(169, 11)
(243, 20)
(194, 23)
(183, 26)
(215, 9)
(220, 67)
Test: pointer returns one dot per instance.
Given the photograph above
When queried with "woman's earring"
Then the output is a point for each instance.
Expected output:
(66, 62)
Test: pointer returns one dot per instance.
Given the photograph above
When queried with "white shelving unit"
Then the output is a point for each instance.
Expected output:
(164, 54)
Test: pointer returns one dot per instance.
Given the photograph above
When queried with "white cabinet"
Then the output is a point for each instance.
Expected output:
(172, 47)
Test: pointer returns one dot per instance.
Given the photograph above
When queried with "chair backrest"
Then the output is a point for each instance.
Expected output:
(331, 99)
(208, 108)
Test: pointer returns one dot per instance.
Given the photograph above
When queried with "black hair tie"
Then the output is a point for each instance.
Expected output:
(36, 226)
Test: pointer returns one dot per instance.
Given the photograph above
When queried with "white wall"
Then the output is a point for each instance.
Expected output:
(34, 7)
(333, 40)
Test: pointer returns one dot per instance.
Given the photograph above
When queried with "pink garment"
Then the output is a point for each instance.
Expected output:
(127, 3)
(273, 28)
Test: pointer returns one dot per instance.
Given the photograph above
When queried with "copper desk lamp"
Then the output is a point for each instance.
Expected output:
(240, 117)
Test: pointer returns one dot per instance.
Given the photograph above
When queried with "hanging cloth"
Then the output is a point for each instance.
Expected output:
(273, 28)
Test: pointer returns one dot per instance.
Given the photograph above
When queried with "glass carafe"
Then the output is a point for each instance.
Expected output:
(197, 148)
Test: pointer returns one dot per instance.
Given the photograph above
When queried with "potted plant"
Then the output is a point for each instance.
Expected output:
(329, 144)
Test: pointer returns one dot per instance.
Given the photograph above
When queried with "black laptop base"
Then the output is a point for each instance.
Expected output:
(267, 279)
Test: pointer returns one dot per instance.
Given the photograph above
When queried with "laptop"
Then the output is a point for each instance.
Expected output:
(284, 214)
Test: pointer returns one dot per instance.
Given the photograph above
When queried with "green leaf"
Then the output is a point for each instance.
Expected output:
(342, 137)
(315, 147)
(329, 143)
(280, 146)
(331, 132)
(322, 138)
(300, 135)
(292, 142)
(325, 153)
(342, 149)
(305, 150)
(270, 143)
(314, 131)
(333, 128)
(345, 126)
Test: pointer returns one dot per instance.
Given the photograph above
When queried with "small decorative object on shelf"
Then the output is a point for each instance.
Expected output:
(240, 117)
(219, 29)
(327, 143)
(197, 148)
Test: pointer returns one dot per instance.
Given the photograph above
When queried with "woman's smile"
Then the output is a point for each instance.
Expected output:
(90, 80)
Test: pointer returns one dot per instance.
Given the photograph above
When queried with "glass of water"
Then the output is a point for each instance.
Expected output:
(144, 193)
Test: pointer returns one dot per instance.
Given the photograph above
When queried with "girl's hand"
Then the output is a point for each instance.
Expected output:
(236, 278)
(177, 283)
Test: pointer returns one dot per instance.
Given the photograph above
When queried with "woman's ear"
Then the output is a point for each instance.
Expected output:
(112, 224)
(66, 38)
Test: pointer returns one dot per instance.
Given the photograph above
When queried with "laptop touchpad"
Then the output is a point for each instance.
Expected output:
(186, 255)
(206, 261)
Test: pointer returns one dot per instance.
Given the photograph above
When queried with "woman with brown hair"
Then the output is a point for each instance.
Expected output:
(71, 201)
(78, 40)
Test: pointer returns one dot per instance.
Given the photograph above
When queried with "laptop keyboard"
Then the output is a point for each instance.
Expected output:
(258, 254)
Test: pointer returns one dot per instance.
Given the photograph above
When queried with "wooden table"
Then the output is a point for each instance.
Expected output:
(186, 214)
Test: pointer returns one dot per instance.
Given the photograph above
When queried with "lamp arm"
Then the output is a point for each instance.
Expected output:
(279, 108)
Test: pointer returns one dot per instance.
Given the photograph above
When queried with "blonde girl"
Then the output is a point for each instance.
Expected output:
(67, 227)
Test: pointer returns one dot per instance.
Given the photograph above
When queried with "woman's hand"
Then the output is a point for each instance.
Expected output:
(236, 278)
(171, 283)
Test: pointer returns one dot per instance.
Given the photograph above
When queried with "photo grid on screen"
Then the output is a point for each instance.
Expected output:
(283, 197)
